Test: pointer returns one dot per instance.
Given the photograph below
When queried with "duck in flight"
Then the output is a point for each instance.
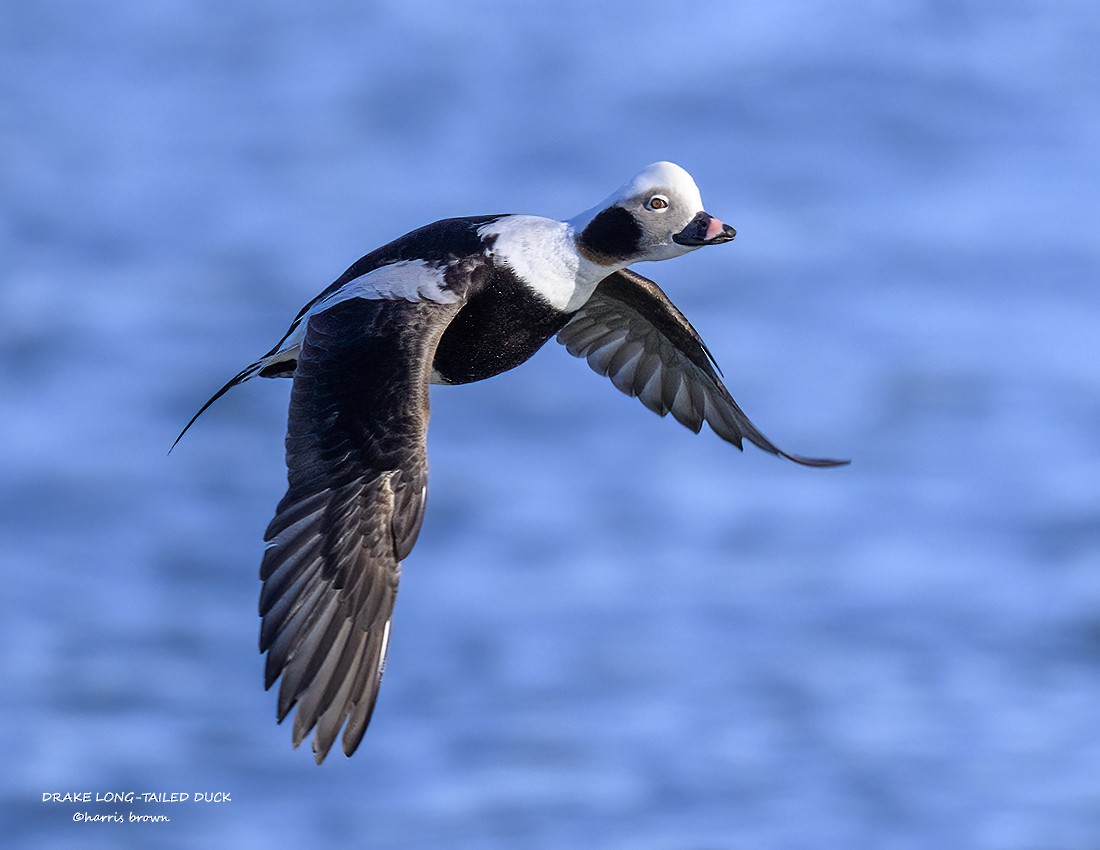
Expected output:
(453, 302)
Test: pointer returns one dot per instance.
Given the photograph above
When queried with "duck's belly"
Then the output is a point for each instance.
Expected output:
(500, 327)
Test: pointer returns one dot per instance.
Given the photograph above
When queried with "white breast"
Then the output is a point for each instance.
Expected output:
(543, 254)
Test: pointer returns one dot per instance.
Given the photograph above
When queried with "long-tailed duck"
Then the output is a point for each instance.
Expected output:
(456, 301)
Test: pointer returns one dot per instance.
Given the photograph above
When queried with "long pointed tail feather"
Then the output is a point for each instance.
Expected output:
(242, 376)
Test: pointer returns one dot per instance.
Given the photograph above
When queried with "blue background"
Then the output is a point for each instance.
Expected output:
(612, 633)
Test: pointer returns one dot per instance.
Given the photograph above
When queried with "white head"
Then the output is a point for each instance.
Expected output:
(655, 216)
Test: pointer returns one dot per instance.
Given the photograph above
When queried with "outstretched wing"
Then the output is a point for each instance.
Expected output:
(355, 452)
(434, 243)
(631, 332)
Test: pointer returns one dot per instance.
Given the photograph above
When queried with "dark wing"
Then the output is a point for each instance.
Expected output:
(355, 452)
(435, 242)
(631, 332)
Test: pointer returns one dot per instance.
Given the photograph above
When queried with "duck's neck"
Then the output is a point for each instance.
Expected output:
(547, 258)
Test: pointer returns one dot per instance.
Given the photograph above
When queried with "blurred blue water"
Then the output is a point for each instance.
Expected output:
(612, 632)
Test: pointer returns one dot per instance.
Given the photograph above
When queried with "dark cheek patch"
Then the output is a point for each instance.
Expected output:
(612, 236)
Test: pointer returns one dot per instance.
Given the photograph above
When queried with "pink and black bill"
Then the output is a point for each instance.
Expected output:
(704, 229)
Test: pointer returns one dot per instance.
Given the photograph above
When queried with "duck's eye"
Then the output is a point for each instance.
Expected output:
(657, 202)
